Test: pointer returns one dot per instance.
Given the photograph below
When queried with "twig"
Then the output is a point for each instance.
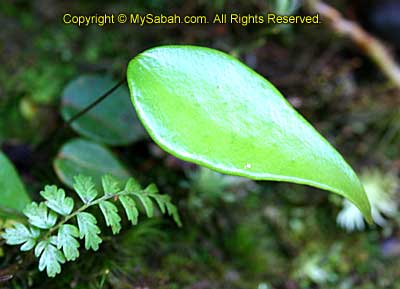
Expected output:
(370, 45)
(12, 270)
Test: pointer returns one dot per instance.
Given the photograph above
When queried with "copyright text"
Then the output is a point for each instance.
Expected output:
(221, 18)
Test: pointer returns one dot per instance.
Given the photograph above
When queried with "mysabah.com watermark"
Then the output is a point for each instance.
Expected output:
(163, 19)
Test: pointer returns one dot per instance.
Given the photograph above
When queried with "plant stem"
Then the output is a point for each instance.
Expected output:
(96, 102)
(370, 45)
(9, 272)
(58, 130)
(83, 208)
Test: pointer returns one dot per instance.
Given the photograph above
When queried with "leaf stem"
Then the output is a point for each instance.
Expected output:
(59, 129)
(94, 103)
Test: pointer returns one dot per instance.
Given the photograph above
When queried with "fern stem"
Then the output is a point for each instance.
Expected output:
(83, 208)
(44, 214)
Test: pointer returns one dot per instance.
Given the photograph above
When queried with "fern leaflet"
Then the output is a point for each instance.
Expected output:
(56, 243)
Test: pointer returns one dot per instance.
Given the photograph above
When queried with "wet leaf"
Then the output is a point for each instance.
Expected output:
(207, 107)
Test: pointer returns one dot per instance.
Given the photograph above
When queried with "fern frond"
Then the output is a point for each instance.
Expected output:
(55, 243)
(89, 230)
(20, 234)
(66, 240)
(130, 208)
(85, 188)
(56, 200)
(39, 216)
(50, 258)
(110, 213)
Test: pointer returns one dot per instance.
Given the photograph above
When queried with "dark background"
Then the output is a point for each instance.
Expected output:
(252, 235)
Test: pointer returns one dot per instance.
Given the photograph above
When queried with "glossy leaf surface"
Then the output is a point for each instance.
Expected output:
(12, 191)
(113, 121)
(206, 107)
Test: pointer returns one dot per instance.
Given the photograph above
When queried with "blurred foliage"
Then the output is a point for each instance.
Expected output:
(381, 190)
(113, 121)
(237, 233)
(79, 156)
(13, 192)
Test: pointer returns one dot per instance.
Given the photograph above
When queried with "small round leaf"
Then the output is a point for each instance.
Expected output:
(113, 121)
(80, 156)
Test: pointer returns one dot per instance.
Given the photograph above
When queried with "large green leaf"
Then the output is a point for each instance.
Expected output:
(206, 107)
(12, 191)
(113, 121)
(80, 156)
